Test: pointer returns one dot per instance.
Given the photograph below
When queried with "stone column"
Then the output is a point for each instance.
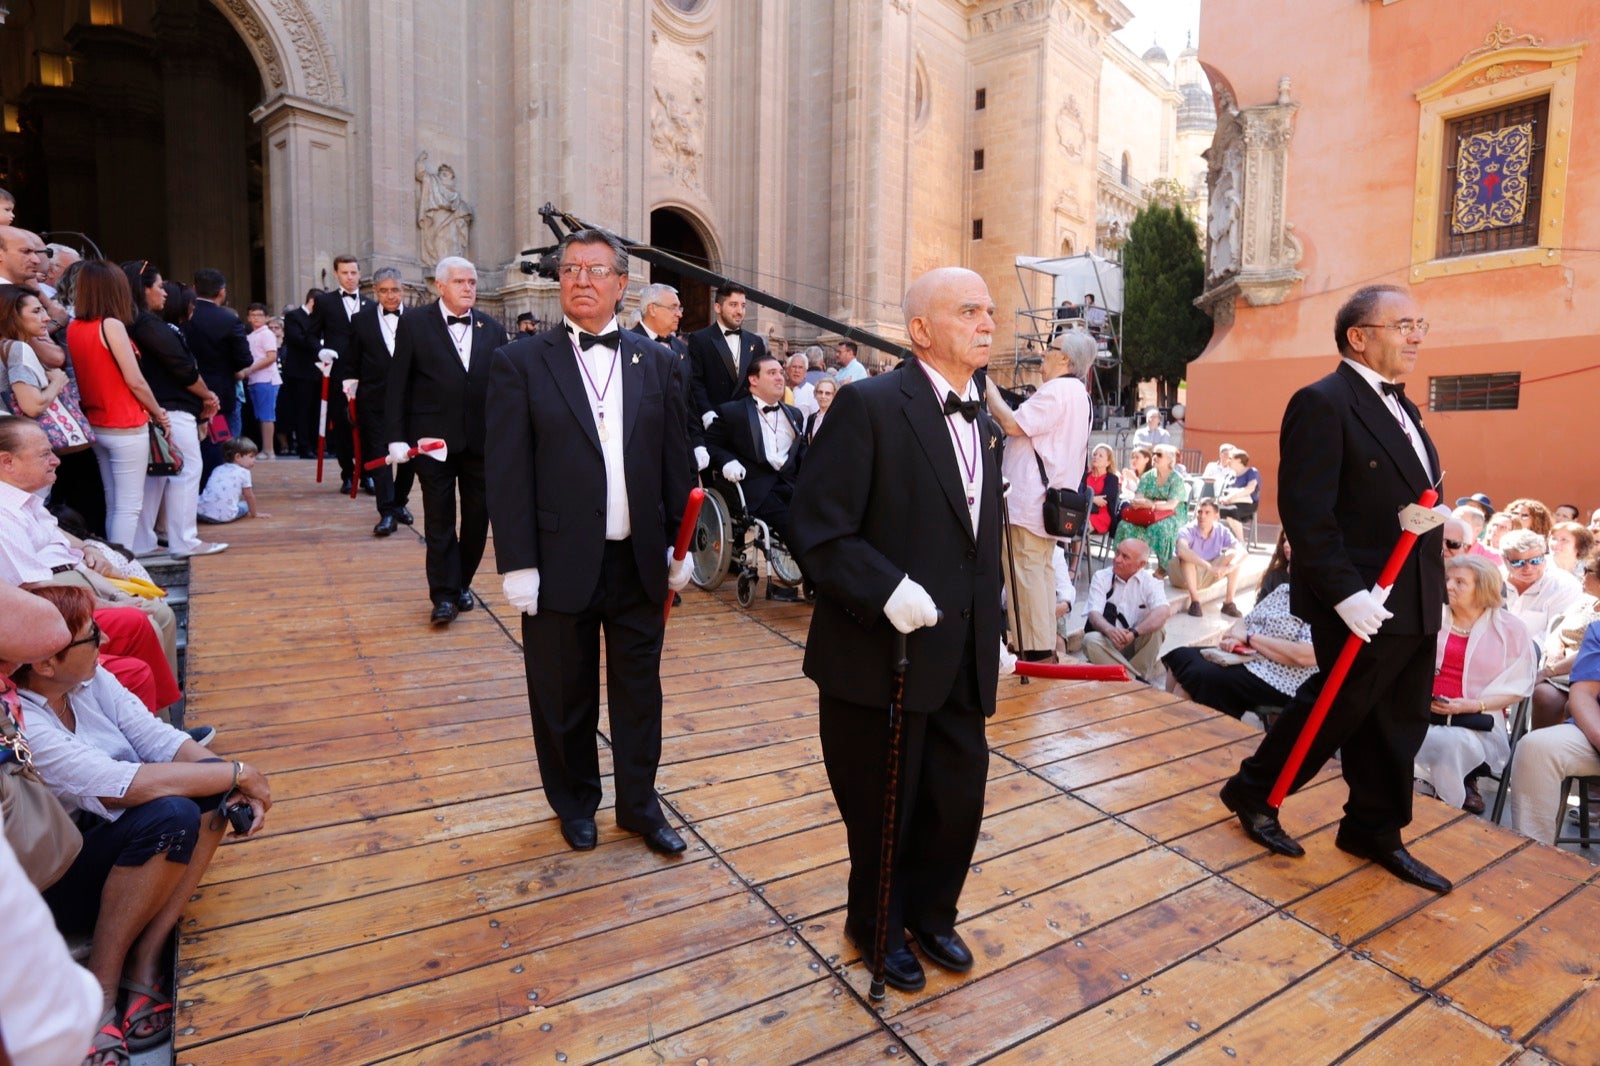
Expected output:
(307, 159)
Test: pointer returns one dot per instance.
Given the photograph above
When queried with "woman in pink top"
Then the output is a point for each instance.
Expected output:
(116, 398)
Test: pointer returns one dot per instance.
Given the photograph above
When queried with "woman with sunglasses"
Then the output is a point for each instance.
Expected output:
(152, 805)
(1530, 514)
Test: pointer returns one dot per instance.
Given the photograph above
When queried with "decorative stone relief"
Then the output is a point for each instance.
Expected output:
(1069, 128)
(1252, 250)
(444, 219)
(1501, 37)
(678, 114)
(318, 73)
(260, 42)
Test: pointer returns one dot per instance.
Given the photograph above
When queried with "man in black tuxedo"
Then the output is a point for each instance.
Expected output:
(301, 396)
(437, 381)
(720, 354)
(1353, 453)
(221, 349)
(591, 475)
(372, 341)
(896, 520)
(660, 311)
(759, 441)
(332, 313)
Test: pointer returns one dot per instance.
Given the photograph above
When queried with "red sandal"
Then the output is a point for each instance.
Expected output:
(148, 1010)
(109, 1047)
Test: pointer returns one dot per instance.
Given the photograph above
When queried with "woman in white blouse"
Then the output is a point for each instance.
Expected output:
(149, 802)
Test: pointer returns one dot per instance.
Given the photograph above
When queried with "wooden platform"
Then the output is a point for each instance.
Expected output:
(412, 900)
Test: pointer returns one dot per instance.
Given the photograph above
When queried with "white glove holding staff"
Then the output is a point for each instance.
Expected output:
(678, 571)
(1364, 612)
(910, 607)
(399, 452)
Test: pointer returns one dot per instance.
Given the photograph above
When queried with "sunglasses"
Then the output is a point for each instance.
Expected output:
(1454, 545)
(94, 637)
(1518, 564)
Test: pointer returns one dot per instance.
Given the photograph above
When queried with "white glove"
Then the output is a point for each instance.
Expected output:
(910, 607)
(399, 452)
(327, 356)
(1008, 662)
(678, 571)
(1364, 613)
(707, 418)
(1380, 593)
(702, 458)
(522, 589)
(733, 470)
(1005, 488)
(349, 387)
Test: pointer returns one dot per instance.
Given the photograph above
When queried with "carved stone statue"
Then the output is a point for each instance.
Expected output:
(444, 219)
(1224, 214)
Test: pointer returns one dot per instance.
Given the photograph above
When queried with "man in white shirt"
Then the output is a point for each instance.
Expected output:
(800, 392)
(1536, 592)
(1128, 613)
(1152, 432)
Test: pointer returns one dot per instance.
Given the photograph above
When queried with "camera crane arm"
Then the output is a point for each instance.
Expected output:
(545, 266)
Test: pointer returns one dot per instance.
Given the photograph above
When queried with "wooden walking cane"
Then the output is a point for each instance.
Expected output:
(1341, 668)
(891, 801)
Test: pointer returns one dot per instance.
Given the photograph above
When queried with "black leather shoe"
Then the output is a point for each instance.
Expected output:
(782, 594)
(947, 949)
(1261, 825)
(403, 516)
(664, 841)
(368, 487)
(1397, 860)
(900, 967)
(579, 834)
(344, 487)
(386, 525)
(465, 602)
(444, 612)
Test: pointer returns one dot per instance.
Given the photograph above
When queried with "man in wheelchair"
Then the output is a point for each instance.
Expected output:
(756, 443)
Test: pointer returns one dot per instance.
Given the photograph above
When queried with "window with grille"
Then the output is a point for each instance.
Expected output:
(1475, 392)
(1493, 179)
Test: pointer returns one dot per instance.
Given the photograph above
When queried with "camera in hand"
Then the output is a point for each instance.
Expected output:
(241, 816)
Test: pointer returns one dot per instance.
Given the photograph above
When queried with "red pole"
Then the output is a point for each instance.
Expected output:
(680, 547)
(1072, 671)
(1341, 668)
(355, 443)
(322, 423)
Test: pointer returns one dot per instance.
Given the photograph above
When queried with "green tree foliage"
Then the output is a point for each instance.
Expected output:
(1163, 271)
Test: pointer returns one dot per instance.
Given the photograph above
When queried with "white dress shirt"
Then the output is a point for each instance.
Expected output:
(596, 367)
(966, 441)
(31, 543)
(777, 434)
(460, 334)
(387, 325)
(1412, 431)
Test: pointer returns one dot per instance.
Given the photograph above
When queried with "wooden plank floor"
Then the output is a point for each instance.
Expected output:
(412, 900)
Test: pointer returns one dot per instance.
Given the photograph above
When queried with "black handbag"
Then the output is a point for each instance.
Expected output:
(1482, 723)
(1066, 511)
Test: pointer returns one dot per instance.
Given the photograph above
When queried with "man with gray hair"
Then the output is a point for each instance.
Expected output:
(438, 380)
(1047, 443)
(1536, 592)
(372, 342)
(660, 311)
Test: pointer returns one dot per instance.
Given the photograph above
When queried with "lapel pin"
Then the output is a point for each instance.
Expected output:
(635, 358)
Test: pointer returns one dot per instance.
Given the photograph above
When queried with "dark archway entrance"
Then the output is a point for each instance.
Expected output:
(131, 127)
(672, 231)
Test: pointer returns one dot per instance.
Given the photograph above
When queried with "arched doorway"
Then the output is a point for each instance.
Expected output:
(673, 231)
(129, 131)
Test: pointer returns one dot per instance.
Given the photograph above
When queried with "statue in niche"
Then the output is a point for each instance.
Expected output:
(1223, 225)
(443, 217)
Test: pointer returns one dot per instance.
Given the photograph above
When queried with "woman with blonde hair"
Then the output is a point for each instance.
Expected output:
(1160, 487)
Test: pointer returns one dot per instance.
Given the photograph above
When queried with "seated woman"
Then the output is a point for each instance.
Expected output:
(1103, 487)
(1531, 514)
(151, 805)
(1485, 662)
(1163, 487)
(1560, 650)
(1140, 459)
(1275, 644)
(1570, 545)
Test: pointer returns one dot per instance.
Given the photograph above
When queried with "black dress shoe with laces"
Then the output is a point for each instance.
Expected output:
(1261, 824)
(386, 525)
(465, 602)
(664, 841)
(900, 967)
(403, 516)
(444, 612)
(579, 833)
(1397, 860)
(946, 949)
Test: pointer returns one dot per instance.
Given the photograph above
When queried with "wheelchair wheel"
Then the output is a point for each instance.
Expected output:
(747, 589)
(712, 546)
(783, 566)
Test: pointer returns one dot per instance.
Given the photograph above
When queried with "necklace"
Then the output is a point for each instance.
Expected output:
(1459, 631)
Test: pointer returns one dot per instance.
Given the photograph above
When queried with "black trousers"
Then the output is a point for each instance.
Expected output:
(298, 402)
(452, 559)
(944, 768)
(391, 485)
(561, 656)
(1377, 723)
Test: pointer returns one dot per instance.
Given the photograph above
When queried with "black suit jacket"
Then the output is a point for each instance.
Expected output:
(546, 473)
(332, 324)
(369, 358)
(1345, 471)
(711, 384)
(217, 341)
(736, 434)
(300, 343)
(429, 393)
(680, 348)
(879, 499)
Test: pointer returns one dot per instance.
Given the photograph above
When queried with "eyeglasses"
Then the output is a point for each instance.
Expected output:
(1518, 564)
(94, 637)
(1406, 326)
(596, 271)
(1454, 545)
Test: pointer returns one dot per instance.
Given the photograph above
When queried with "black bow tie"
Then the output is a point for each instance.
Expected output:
(350, 295)
(605, 340)
(1391, 388)
(458, 320)
(732, 332)
(769, 408)
(391, 314)
(954, 405)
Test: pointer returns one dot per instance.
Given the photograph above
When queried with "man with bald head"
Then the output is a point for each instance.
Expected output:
(897, 522)
(22, 258)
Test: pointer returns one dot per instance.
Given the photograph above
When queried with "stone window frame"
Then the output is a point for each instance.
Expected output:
(1486, 80)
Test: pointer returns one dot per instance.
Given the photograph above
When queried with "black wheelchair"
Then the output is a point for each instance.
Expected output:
(729, 539)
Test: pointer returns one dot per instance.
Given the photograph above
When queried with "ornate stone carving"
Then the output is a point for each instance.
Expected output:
(678, 113)
(1498, 38)
(315, 74)
(1499, 72)
(444, 218)
(260, 42)
(1012, 14)
(1069, 128)
(1251, 248)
